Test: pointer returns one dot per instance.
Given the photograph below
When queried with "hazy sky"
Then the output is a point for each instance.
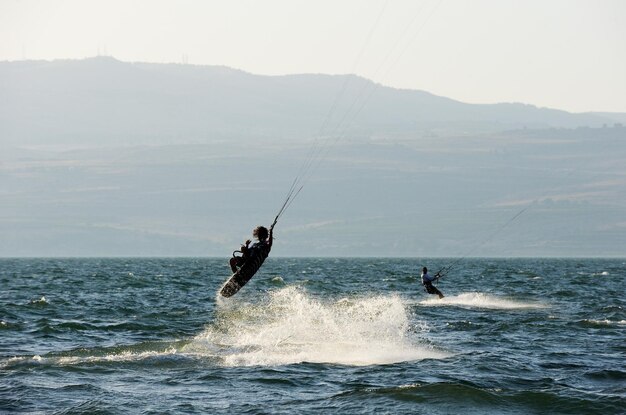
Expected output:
(564, 54)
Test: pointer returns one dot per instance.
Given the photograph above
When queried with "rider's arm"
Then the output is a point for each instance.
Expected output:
(244, 248)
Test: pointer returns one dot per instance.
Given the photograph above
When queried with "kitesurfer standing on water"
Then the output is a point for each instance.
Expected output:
(427, 282)
(262, 247)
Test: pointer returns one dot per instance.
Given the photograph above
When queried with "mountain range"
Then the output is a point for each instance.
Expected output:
(91, 101)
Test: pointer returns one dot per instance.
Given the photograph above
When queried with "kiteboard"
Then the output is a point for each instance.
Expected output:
(244, 274)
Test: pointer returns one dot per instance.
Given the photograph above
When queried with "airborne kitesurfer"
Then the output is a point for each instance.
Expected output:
(262, 246)
(427, 282)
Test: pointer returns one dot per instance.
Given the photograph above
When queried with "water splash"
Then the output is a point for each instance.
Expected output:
(292, 327)
(288, 326)
(480, 300)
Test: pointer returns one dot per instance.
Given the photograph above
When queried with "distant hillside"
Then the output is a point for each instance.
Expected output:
(105, 158)
(86, 102)
(618, 117)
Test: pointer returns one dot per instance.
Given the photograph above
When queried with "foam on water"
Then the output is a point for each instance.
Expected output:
(605, 322)
(292, 327)
(124, 356)
(480, 300)
(138, 352)
(42, 300)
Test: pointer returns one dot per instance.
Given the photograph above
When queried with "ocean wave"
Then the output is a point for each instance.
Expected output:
(475, 398)
(292, 327)
(119, 354)
(601, 323)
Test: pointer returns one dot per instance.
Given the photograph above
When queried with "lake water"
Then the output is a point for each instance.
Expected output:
(515, 336)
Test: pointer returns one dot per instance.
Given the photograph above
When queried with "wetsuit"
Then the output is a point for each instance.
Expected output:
(258, 250)
(427, 282)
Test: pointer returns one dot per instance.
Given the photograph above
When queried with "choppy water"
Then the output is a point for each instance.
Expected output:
(312, 335)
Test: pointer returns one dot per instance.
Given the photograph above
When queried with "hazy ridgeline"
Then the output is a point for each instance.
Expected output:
(100, 157)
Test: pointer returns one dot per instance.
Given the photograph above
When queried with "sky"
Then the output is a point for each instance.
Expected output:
(565, 54)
